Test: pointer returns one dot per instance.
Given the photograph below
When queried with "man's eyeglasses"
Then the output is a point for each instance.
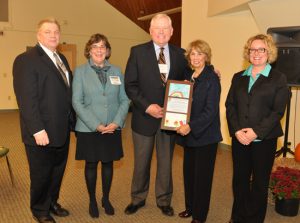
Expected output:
(259, 50)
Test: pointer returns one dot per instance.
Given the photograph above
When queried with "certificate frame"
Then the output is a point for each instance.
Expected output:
(177, 104)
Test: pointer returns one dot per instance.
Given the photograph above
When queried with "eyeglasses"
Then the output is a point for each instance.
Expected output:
(94, 46)
(259, 50)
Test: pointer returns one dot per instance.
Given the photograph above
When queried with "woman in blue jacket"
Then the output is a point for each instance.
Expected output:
(101, 104)
(200, 137)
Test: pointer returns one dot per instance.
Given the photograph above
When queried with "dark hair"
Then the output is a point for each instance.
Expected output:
(96, 38)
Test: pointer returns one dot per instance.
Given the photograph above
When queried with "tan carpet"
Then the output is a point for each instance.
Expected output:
(14, 202)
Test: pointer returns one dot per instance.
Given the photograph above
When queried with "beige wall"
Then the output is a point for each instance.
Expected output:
(216, 7)
(79, 19)
(227, 33)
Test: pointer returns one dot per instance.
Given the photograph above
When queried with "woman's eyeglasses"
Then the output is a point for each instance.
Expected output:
(259, 50)
(101, 47)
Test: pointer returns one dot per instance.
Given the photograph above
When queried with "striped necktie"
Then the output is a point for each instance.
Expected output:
(162, 60)
(62, 69)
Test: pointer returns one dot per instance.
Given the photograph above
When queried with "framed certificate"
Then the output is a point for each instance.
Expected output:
(177, 104)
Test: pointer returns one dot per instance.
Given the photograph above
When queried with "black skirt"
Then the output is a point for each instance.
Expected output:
(93, 146)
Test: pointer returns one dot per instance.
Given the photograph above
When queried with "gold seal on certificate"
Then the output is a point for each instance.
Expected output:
(177, 104)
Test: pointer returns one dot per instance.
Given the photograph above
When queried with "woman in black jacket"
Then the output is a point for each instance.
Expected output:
(201, 135)
(255, 104)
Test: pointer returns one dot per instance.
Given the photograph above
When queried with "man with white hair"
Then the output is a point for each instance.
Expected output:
(148, 67)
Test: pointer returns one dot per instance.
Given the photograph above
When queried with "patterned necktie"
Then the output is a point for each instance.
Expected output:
(162, 60)
(62, 69)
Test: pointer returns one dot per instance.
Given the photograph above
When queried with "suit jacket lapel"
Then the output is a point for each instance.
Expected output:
(93, 79)
(172, 61)
(258, 82)
(243, 85)
(45, 58)
(67, 66)
(153, 60)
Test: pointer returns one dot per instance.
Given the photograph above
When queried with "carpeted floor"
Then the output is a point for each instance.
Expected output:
(14, 201)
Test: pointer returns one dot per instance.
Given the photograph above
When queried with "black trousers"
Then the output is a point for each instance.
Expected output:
(198, 170)
(252, 165)
(47, 166)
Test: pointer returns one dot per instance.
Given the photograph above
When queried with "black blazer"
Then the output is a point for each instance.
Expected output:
(43, 98)
(261, 108)
(205, 111)
(143, 84)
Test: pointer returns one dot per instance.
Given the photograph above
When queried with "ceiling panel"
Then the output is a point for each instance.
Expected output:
(135, 9)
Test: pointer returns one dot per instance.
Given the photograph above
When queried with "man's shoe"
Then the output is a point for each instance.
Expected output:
(166, 210)
(132, 208)
(58, 210)
(44, 219)
(185, 214)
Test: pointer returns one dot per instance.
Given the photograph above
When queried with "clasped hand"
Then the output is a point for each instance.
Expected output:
(183, 129)
(155, 111)
(245, 136)
(107, 129)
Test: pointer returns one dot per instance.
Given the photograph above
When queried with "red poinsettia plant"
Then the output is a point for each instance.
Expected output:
(285, 183)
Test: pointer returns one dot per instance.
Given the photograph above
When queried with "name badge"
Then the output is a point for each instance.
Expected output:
(163, 68)
(115, 80)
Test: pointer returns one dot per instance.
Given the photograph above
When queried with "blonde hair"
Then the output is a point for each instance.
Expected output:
(200, 46)
(268, 40)
(48, 20)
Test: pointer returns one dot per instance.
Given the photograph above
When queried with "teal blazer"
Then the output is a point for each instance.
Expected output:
(95, 104)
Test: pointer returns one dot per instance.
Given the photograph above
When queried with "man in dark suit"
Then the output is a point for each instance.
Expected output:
(145, 86)
(42, 86)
